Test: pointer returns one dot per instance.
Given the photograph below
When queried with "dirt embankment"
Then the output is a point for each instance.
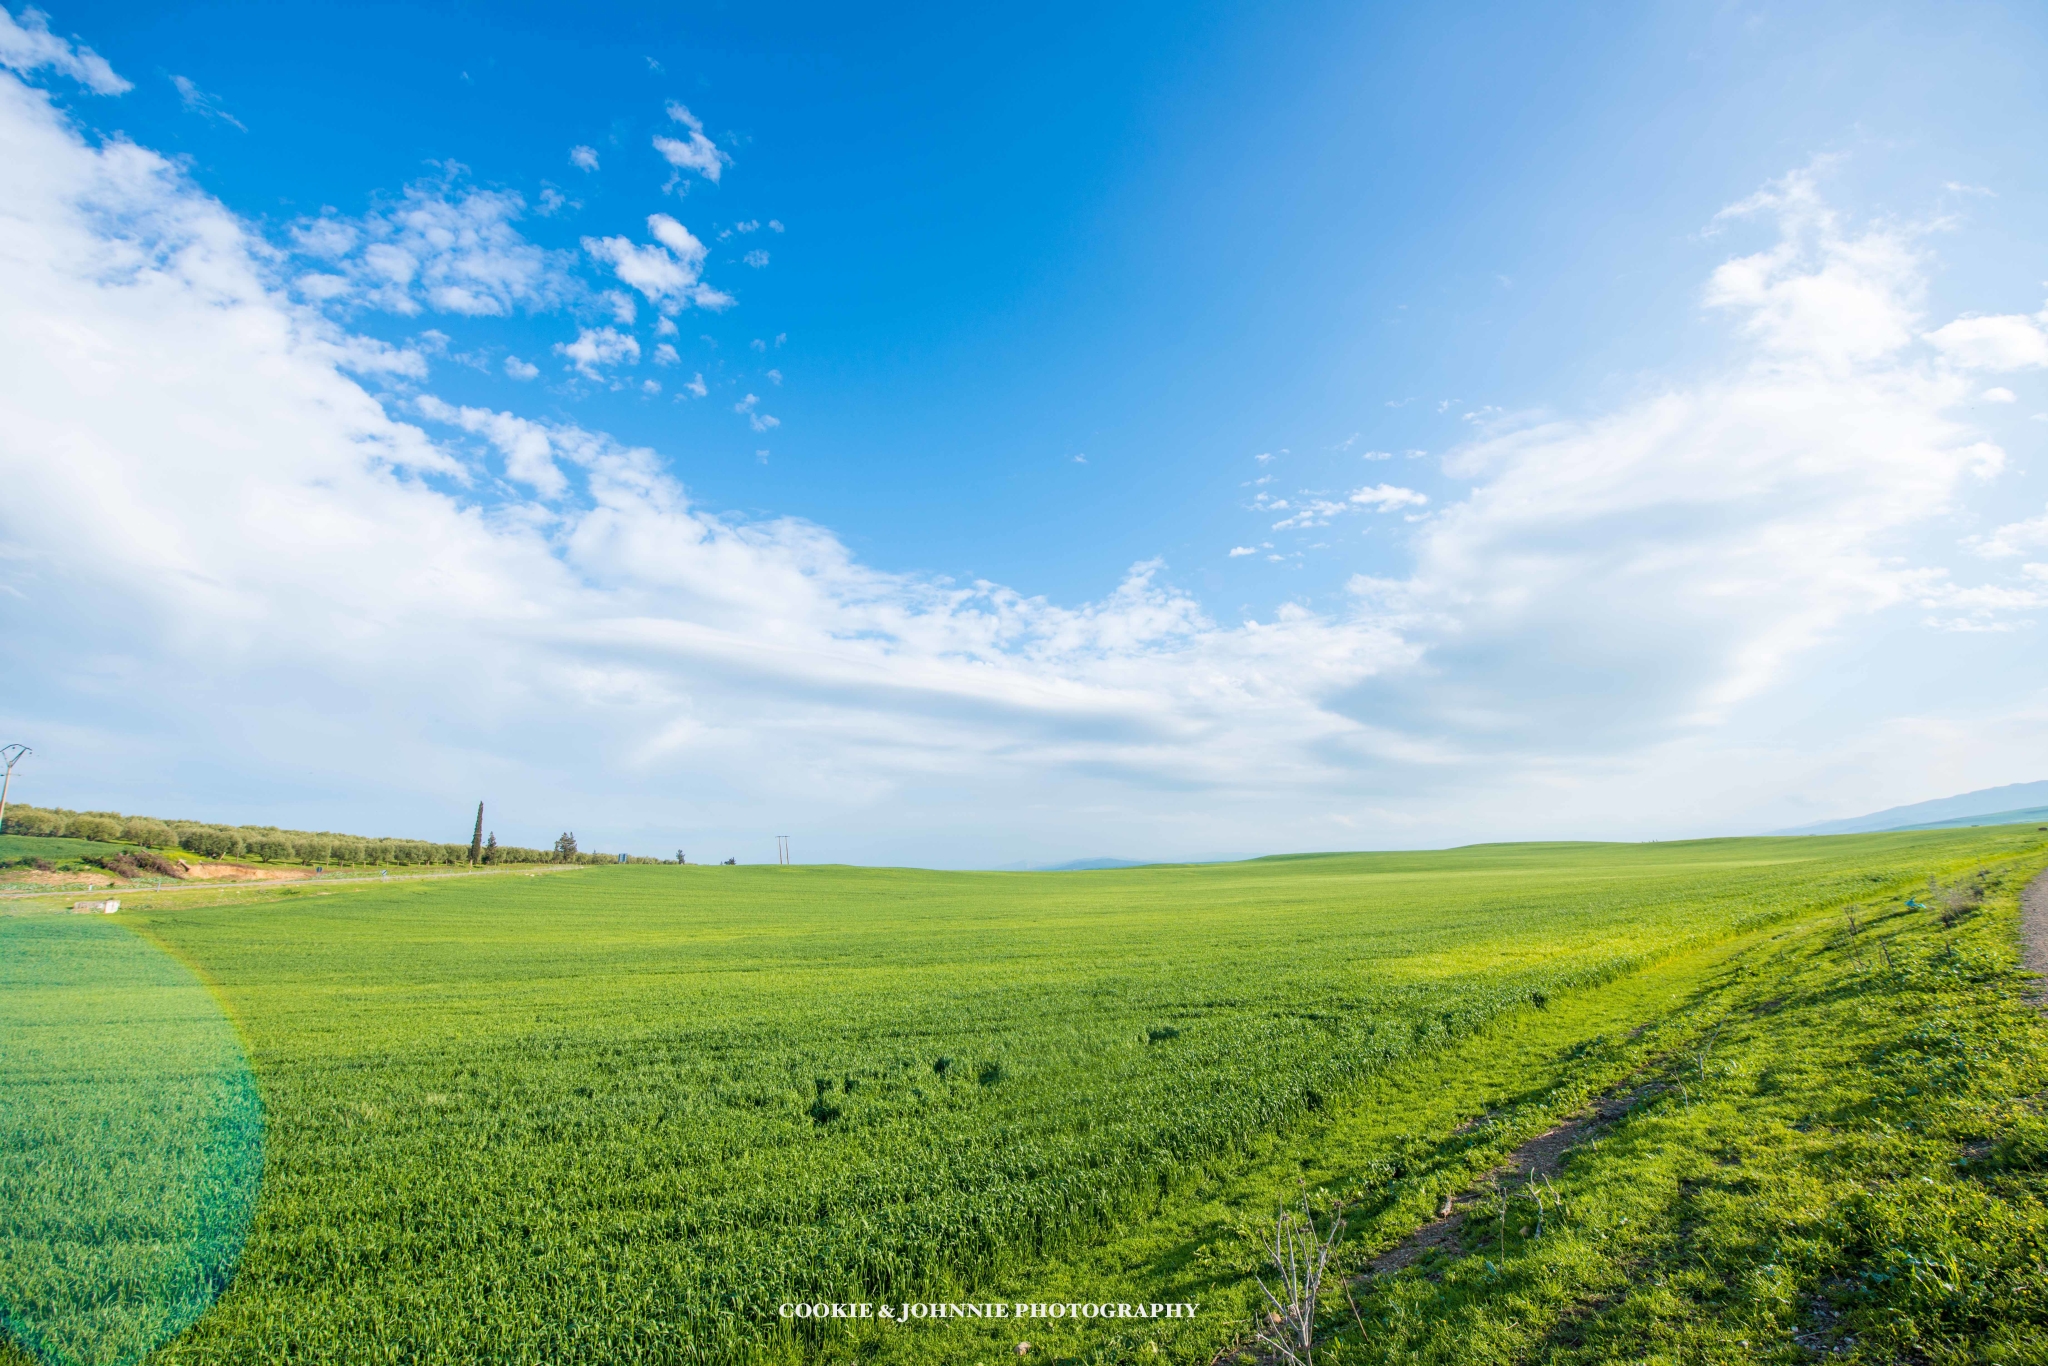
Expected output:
(36, 877)
(187, 872)
(241, 872)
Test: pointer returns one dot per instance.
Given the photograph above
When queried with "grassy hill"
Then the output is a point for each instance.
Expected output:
(626, 1113)
(53, 850)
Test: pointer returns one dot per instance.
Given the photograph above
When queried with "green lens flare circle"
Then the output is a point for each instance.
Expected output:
(131, 1142)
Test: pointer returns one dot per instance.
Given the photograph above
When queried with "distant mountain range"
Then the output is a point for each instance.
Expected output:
(1091, 865)
(2013, 804)
(1079, 865)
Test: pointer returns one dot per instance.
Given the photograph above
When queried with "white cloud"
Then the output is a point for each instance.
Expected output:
(28, 45)
(583, 158)
(693, 152)
(756, 259)
(697, 385)
(665, 354)
(199, 102)
(1314, 510)
(1238, 550)
(527, 447)
(2000, 395)
(759, 421)
(224, 543)
(1702, 540)
(751, 225)
(775, 377)
(2010, 341)
(1386, 498)
(668, 271)
(521, 370)
(2013, 539)
(1820, 295)
(774, 225)
(440, 246)
(595, 348)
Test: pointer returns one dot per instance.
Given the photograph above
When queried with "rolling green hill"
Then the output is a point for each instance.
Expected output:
(54, 850)
(624, 1114)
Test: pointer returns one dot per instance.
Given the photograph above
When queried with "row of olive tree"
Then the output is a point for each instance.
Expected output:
(268, 843)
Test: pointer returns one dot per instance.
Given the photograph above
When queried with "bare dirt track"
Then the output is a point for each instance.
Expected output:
(2034, 934)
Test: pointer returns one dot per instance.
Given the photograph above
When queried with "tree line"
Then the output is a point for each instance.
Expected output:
(272, 845)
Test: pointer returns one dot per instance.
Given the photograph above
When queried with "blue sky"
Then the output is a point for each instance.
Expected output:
(1622, 419)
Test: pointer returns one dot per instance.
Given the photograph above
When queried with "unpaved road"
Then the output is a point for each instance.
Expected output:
(2034, 934)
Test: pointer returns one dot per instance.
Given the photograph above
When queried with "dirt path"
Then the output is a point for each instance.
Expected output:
(2034, 934)
(1540, 1158)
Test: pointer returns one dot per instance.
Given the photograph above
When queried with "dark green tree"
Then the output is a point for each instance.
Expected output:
(476, 841)
(565, 846)
(491, 848)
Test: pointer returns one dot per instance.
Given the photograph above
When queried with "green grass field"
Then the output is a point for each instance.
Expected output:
(624, 1114)
(131, 1141)
(54, 850)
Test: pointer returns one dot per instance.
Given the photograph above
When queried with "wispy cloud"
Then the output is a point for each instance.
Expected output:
(759, 421)
(197, 101)
(468, 583)
(669, 271)
(693, 151)
(583, 158)
(597, 349)
(442, 245)
(27, 45)
(1312, 510)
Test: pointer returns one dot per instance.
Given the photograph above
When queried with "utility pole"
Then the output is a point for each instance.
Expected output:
(476, 841)
(782, 849)
(13, 754)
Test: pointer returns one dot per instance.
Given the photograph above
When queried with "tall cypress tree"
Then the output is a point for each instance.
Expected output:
(476, 841)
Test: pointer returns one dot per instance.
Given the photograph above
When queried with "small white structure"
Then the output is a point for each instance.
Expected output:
(88, 907)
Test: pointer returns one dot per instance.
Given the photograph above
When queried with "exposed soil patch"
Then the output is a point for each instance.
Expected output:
(2034, 935)
(1540, 1158)
(35, 877)
(239, 872)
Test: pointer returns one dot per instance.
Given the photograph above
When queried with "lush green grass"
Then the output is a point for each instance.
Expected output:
(55, 850)
(622, 1115)
(130, 1141)
(1842, 1150)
